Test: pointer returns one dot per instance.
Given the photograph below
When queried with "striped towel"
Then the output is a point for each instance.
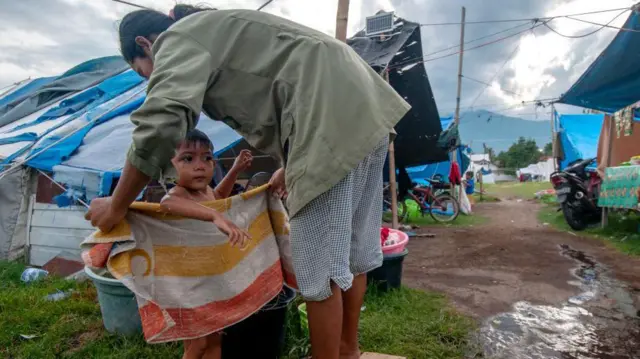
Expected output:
(188, 281)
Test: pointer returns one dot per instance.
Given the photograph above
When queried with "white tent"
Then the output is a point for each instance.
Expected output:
(542, 170)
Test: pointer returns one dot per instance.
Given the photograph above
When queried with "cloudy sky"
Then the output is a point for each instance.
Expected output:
(47, 37)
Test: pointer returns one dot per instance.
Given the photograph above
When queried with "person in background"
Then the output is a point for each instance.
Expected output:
(469, 183)
(296, 94)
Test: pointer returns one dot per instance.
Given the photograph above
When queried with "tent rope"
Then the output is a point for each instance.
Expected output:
(61, 186)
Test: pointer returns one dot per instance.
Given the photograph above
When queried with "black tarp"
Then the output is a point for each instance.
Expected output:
(401, 52)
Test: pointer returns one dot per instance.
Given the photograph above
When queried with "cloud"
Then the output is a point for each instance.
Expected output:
(47, 37)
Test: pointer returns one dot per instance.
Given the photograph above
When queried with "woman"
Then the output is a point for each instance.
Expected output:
(292, 92)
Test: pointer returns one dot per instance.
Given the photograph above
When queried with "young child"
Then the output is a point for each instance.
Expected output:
(470, 184)
(194, 164)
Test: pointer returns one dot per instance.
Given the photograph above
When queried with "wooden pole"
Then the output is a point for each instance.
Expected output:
(460, 58)
(342, 19)
(454, 157)
(553, 138)
(607, 163)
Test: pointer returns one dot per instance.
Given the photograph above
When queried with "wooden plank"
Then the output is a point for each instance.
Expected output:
(58, 237)
(54, 207)
(379, 356)
(59, 218)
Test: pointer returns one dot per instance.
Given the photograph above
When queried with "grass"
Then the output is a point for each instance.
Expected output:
(415, 217)
(404, 322)
(621, 233)
(524, 190)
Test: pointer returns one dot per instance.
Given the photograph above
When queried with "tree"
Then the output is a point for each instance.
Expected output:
(548, 149)
(521, 154)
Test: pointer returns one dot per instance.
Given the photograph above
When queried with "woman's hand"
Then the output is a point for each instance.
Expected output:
(242, 162)
(237, 236)
(103, 214)
(277, 183)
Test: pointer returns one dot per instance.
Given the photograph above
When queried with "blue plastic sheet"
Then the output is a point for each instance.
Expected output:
(579, 136)
(612, 82)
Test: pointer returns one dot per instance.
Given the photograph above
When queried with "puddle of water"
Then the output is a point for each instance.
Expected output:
(569, 330)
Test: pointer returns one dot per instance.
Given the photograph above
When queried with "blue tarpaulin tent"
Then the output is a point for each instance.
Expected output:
(579, 135)
(612, 82)
(83, 138)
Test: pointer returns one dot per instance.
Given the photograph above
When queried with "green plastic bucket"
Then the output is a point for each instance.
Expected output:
(117, 304)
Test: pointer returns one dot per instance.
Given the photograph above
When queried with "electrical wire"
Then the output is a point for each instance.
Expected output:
(587, 34)
(527, 19)
(264, 5)
(422, 59)
(604, 25)
(132, 4)
(487, 84)
(479, 38)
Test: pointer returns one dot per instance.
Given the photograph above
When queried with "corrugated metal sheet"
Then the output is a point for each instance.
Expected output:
(54, 230)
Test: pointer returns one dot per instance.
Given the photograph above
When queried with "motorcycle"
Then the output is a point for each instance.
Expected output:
(577, 190)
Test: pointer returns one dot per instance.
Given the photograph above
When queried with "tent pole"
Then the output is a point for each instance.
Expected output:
(607, 163)
(393, 184)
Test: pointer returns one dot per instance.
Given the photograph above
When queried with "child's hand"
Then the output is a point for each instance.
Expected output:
(242, 162)
(237, 236)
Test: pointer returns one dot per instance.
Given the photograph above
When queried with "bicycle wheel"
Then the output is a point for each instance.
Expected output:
(444, 208)
(387, 214)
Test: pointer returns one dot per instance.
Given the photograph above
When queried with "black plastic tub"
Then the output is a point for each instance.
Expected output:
(261, 335)
(389, 276)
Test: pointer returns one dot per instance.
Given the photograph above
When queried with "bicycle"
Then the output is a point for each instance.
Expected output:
(433, 199)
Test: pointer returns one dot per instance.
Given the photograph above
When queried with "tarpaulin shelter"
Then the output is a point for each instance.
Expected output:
(612, 82)
(76, 128)
(401, 53)
(579, 135)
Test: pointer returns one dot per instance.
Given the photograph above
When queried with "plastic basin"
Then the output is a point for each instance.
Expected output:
(403, 239)
(117, 304)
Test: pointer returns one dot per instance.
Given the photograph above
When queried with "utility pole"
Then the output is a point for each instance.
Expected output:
(454, 156)
(342, 19)
(460, 58)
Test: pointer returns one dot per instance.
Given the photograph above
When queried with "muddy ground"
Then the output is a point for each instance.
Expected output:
(536, 292)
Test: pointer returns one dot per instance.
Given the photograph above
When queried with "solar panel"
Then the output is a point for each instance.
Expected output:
(378, 24)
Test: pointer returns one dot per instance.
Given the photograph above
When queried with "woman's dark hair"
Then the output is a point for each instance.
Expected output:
(198, 137)
(148, 23)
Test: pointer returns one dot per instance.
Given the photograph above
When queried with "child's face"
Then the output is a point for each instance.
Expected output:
(195, 165)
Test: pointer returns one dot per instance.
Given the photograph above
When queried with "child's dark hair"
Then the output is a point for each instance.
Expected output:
(198, 137)
(148, 23)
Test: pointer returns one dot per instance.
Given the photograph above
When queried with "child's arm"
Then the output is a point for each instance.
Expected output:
(242, 162)
(176, 203)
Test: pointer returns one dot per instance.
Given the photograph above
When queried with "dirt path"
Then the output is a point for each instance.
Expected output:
(537, 292)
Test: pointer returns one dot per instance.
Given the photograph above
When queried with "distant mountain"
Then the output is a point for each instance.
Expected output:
(499, 132)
